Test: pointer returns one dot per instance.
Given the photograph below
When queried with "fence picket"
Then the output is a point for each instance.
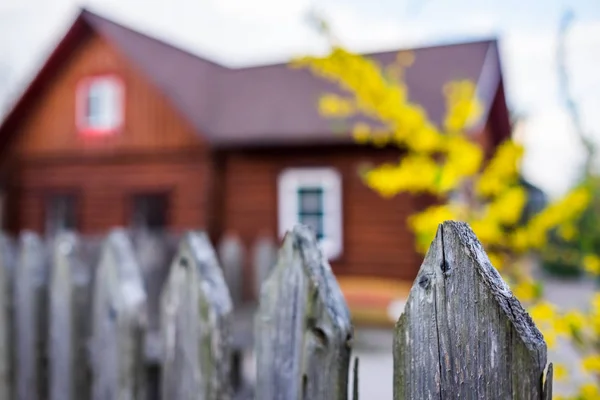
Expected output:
(119, 322)
(195, 314)
(302, 298)
(463, 334)
(30, 318)
(7, 260)
(69, 302)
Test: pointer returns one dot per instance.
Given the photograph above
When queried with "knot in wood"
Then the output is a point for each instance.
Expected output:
(184, 262)
(444, 266)
(320, 336)
(424, 281)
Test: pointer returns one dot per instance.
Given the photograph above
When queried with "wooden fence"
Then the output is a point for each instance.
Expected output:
(88, 320)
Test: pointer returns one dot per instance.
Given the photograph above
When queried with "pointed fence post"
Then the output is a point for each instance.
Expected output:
(69, 310)
(30, 318)
(303, 327)
(7, 260)
(265, 256)
(463, 334)
(195, 325)
(231, 254)
(154, 256)
(119, 322)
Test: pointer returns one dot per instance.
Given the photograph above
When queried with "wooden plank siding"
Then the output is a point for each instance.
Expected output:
(156, 150)
(105, 191)
(150, 124)
(376, 239)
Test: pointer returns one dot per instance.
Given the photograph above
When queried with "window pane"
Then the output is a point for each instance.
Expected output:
(310, 200)
(310, 209)
(60, 213)
(150, 211)
(102, 104)
(92, 107)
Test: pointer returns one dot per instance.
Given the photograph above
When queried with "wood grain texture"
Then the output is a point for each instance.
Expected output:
(463, 334)
(30, 315)
(119, 322)
(195, 325)
(69, 305)
(7, 260)
(548, 382)
(303, 327)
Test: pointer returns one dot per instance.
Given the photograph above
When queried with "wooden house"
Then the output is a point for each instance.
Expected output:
(119, 128)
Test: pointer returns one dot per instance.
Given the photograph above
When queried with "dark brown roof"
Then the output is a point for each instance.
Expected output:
(271, 104)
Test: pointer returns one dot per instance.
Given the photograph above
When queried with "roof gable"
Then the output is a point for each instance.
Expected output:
(270, 104)
(185, 79)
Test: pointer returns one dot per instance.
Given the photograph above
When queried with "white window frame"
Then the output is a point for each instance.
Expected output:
(330, 180)
(112, 117)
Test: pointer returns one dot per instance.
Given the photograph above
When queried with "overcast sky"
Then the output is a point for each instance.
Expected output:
(244, 32)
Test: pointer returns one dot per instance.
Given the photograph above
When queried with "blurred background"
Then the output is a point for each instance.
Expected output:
(240, 33)
(253, 33)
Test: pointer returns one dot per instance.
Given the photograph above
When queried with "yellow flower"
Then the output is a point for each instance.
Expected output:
(503, 168)
(462, 105)
(542, 312)
(591, 364)
(560, 372)
(463, 155)
(332, 105)
(381, 139)
(361, 132)
(487, 231)
(496, 260)
(574, 321)
(591, 263)
(508, 207)
(425, 223)
(519, 240)
(567, 231)
(425, 139)
(594, 316)
(589, 391)
(550, 338)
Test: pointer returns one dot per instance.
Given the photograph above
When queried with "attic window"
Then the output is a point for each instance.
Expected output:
(100, 105)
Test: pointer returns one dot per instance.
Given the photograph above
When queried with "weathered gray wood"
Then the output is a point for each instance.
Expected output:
(231, 254)
(463, 334)
(69, 310)
(264, 259)
(7, 259)
(548, 382)
(355, 380)
(30, 318)
(195, 320)
(303, 327)
(119, 322)
(154, 256)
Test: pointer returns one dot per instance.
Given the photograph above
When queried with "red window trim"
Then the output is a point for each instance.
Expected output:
(81, 104)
